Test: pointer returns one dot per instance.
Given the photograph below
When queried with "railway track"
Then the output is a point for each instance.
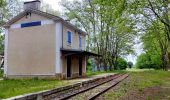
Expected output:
(90, 91)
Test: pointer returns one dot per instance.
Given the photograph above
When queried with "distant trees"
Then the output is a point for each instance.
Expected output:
(130, 64)
(154, 20)
(145, 60)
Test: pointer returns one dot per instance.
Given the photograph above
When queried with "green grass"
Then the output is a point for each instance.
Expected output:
(9, 88)
(139, 80)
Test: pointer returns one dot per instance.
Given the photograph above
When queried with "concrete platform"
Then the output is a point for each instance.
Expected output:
(78, 80)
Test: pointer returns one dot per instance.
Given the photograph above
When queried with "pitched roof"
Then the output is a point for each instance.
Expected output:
(45, 14)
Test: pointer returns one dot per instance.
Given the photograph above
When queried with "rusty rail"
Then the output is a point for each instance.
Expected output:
(89, 88)
(67, 92)
(108, 88)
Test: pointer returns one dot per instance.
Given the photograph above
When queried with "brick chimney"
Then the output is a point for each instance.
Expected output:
(32, 5)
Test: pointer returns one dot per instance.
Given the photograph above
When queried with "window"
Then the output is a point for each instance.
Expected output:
(30, 24)
(80, 41)
(69, 37)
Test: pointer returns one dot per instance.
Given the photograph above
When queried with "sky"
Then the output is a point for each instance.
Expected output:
(55, 4)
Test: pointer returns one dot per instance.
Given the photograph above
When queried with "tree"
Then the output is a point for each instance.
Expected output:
(110, 32)
(47, 8)
(130, 64)
(2, 44)
(2, 6)
(2, 3)
(146, 61)
(8, 9)
(153, 16)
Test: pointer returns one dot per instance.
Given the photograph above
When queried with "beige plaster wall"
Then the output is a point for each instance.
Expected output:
(33, 17)
(31, 50)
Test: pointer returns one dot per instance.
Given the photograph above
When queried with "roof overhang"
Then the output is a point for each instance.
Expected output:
(72, 52)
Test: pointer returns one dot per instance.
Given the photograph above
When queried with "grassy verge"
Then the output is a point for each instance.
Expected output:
(138, 82)
(9, 88)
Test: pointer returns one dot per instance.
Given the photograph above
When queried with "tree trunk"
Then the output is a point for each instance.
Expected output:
(98, 63)
(110, 65)
(105, 65)
(166, 63)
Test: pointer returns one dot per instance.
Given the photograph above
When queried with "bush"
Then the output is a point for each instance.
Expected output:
(121, 64)
(130, 64)
(89, 65)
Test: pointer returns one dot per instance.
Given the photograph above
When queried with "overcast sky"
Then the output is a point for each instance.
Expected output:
(54, 3)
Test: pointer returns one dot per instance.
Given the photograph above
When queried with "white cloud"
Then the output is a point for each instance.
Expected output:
(54, 3)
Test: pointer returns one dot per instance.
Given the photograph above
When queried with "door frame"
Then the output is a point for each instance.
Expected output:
(69, 69)
(80, 61)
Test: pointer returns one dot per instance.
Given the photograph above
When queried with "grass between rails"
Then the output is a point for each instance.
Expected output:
(89, 74)
(139, 82)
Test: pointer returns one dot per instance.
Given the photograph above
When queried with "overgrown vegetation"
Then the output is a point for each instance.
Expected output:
(11, 88)
(154, 17)
(146, 61)
(137, 82)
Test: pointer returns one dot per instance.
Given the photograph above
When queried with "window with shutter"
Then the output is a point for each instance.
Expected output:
(80, 41)
(69, 37)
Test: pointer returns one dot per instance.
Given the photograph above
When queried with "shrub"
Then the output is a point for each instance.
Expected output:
(121, 64)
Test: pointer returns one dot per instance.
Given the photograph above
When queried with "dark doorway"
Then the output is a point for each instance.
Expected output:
(69, 66)
(80, 66)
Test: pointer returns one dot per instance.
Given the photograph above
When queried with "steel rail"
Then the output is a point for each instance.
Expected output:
(89, 88)
(108, 88)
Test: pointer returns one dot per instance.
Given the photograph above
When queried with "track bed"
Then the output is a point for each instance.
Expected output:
(89, 91)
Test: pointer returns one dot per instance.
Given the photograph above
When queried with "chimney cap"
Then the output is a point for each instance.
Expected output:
(35, 4)
(32, 1)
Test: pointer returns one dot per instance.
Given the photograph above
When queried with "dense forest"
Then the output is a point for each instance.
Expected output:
(114, 27)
